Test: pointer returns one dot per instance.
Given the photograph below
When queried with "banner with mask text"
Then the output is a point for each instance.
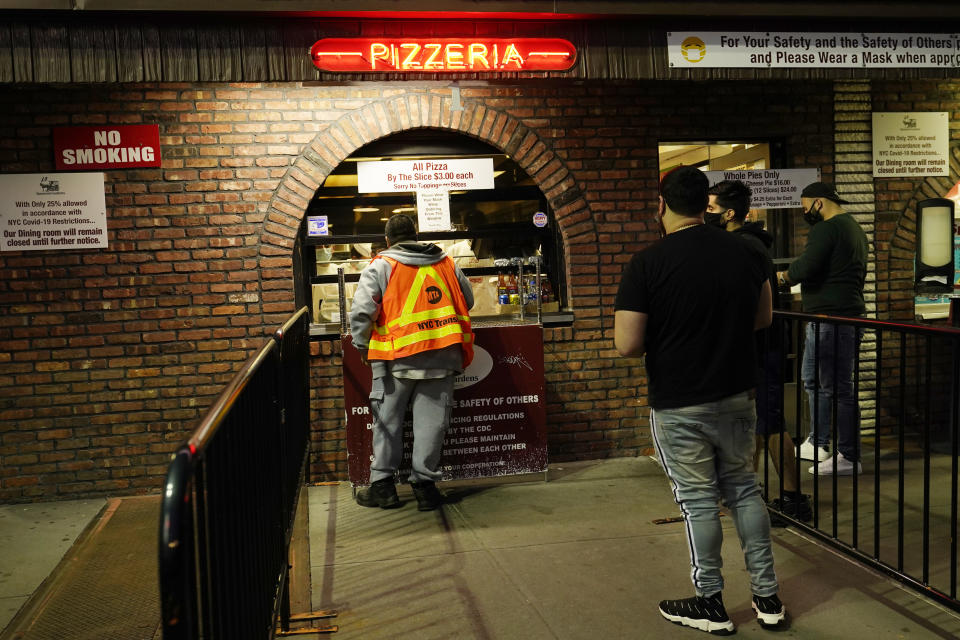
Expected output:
(772, 49)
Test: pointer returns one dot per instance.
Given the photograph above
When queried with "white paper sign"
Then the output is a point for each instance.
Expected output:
(52, 212)
(805, 49)
(772, 188)
(433, 210)
(425, 175)
(911, 144)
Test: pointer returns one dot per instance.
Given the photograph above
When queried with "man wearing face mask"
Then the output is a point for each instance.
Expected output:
(831, 272)
(727, 208)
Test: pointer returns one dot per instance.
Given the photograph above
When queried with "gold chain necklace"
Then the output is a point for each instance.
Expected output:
(687, 226)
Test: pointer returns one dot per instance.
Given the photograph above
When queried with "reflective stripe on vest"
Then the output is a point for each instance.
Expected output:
(405, 327)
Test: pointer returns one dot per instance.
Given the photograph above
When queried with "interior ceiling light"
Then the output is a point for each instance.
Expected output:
(341, 180)
(365, 209)
(404, 209)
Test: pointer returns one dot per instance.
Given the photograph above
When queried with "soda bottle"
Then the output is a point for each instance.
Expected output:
(546, 290)
(512, 290)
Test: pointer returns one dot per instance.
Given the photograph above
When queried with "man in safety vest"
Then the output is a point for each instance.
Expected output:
(410, 321)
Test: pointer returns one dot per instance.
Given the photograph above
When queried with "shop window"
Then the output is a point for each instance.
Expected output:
(786, 227)
(494, 235)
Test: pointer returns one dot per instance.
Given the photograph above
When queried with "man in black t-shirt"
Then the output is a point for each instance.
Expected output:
(694, 321)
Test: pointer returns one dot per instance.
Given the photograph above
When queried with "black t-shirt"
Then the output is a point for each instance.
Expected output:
(699, 288)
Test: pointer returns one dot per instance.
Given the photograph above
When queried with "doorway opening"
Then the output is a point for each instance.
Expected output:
(491, 231)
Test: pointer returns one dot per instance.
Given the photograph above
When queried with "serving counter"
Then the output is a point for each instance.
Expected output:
(498, 418)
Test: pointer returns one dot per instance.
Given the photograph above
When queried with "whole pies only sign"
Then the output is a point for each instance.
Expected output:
(442, 55)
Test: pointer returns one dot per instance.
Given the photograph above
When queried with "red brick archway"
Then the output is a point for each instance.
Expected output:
(898, 271)
(418, 109)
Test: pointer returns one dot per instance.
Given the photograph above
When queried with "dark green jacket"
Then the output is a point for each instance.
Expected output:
(833, 267)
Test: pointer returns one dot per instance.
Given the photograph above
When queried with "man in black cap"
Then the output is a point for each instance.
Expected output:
(831, 272)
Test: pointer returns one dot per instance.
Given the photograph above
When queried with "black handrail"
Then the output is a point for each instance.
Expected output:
(230, 498)
(914, 502)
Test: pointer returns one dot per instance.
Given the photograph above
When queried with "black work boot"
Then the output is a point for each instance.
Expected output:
(427, 495)
(382, 493)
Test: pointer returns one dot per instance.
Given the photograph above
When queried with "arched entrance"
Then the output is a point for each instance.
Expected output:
(413, 110)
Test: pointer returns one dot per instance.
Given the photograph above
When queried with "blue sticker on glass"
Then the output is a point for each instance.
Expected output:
(317, 226)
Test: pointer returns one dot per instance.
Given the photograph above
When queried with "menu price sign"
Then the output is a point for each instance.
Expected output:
(52, 212)
(498, 423)
(771, 188)
(445, 174)
(911, 144)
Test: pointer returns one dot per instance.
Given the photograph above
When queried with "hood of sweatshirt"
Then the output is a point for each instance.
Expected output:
(756, 229)
(414, 253)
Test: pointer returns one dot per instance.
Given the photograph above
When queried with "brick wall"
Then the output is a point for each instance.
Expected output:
(905, 399)
(108, 357)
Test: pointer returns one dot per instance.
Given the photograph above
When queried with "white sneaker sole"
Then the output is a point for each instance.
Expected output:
(770, 619)
(807, 454)
(716, 628)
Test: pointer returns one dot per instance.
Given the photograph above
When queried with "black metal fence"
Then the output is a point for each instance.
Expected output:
(230, 499)
(900, 514)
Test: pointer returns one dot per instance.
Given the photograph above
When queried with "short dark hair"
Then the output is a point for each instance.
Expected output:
(733, 194)
(685, 191)
(399, 228)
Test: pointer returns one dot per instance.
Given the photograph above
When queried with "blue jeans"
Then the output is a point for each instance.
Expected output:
(837, 350)
(707, 453)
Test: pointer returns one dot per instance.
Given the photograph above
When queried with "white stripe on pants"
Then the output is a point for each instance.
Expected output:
(707, 453)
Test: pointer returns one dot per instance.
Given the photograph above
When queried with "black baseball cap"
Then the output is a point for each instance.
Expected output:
(822, 190)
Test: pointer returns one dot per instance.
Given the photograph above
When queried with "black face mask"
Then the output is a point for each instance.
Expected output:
(715, 219)
(812, 217)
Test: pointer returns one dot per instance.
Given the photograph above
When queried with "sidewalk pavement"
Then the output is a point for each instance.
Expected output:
(576, 557)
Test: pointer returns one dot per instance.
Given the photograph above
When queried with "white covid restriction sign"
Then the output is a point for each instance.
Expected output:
(55, 211)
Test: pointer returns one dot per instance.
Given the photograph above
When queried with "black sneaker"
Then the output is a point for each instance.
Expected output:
(791, 506)
(770, 611)
(703, 613)
(382, 493)
(427, 495)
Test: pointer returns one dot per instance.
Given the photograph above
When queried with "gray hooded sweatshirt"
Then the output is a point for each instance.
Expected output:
(366, 307)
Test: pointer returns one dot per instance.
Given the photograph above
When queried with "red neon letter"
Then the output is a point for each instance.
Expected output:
(511, 55)
(432, 62)
(477, 51)
(409, 62)
(454, 56)
(378, 51)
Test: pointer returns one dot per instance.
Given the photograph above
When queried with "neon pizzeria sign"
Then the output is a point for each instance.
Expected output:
(443, 55)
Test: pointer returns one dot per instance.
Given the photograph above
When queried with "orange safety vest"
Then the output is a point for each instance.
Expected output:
(423, 310)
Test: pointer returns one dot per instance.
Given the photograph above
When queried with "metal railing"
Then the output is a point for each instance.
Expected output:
(230, 498)
(900, 515)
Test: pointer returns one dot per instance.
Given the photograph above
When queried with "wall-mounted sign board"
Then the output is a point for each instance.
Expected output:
(106, 147)
(442, 55)
(52, 212)
(818, 50)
